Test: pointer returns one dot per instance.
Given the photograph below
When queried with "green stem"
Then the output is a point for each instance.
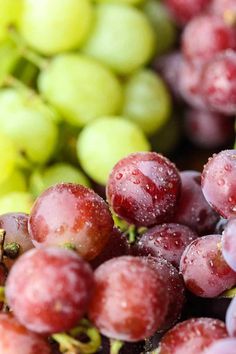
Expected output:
(229, 293)
(12, 250)
(115, 346)
(2, 240)
(69, 246)
(2, 294)
(131, 233)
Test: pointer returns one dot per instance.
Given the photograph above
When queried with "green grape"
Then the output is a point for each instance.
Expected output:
(52, 26)
(28, 124)
(165, 30)
(122, 37)
(9, 56)
(10, 11)
(130, 2)
(16, 202)
(80, 88)
(147, 101)
(16, 182)
(8, 156)
(57, 173)
(102, 143)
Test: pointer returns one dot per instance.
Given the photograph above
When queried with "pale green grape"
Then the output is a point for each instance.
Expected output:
(57, 173)
(9, 55)
(122, 37)
(147, 101)
(163, 25)
(16, 182)
(80, 88)
(54, 26)
(30, 127)
(102, 143)
(16, 202)
(8, 156)
(10, 11)
(130, 2)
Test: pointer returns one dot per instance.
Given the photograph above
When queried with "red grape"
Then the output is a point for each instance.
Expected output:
(130, 301)
(71, 214)
(224, 8)
(229, 243)
(218, 83)
(219, 183)
(192, 336)
(168, 241)
(49, 289)
(231, 318)
(143, 188)
(184, 10)
(193, 209)
(222, 346)
(204, 269)
(211, 36)
(15, 339)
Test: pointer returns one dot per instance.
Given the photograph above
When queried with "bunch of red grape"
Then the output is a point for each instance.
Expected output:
(82, 275)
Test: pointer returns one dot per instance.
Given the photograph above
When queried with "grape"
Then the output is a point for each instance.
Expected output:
(143, 188)
(57, 173)
(55, 26)
(223, 8)
(71, 214)
(192, 336)
(29, 124)
(16, 202)
(95, 90)
(121, 38)
(211, 36)
(17, 339)
(204, 269)
(185, 10)
(104, 142)
(229, 244)
(146, 101)
(8, 157)
(165, 31)
(218, 182)
(167, 241)
(9, 56)
(9, 15)
(49, 289)
(230, 318)
(219, 83)
(192, 209)
(226, 346)
(16, 182)
(130, 300)
(208, 129)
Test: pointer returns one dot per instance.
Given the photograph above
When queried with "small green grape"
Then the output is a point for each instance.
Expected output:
(102, 143)
(147, 101)
(163, 25)
(129, 2)
(10, 11)
(29, 126)
(8, 156)
(16, 202)
(9, 56)
(16, 182)
(52, 26)
(121, 38)
(57, 173)
(80, 88)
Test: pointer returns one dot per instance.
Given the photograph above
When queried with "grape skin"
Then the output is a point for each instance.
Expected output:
(226, 346)
(229, 244)
(55, 287)
(230, 318)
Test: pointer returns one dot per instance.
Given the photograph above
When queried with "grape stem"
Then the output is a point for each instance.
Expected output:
(115, 346)
(2, 294)
(229, 293)
(2, 240)
(12, 250)
(230, 18)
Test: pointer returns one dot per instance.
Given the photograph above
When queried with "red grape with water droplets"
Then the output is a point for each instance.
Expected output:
(143, 188)
(211, 36)
(130, 300)
(222, 346)
(193, 209)
(49, 289)
(229, 243)
(219, 183)
(185, 10)
(208, 129)
(218, 83)
(192, 336)
(16, 339)
(167, 240)
(205, 272)
(231, 318)
(73, 214)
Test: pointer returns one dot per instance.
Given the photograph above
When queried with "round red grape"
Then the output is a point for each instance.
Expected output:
(204, 269)
(222, 346)
(130, 301)
(192, 336)
(16, 339)
(49, 289)
(71, 214)
(219, 183)
(143, 188)
(231, 318)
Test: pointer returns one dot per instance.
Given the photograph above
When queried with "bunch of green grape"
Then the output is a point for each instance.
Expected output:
(77, 92)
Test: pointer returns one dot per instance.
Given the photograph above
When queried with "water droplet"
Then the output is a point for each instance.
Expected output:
(119, 176)
(221, 182)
